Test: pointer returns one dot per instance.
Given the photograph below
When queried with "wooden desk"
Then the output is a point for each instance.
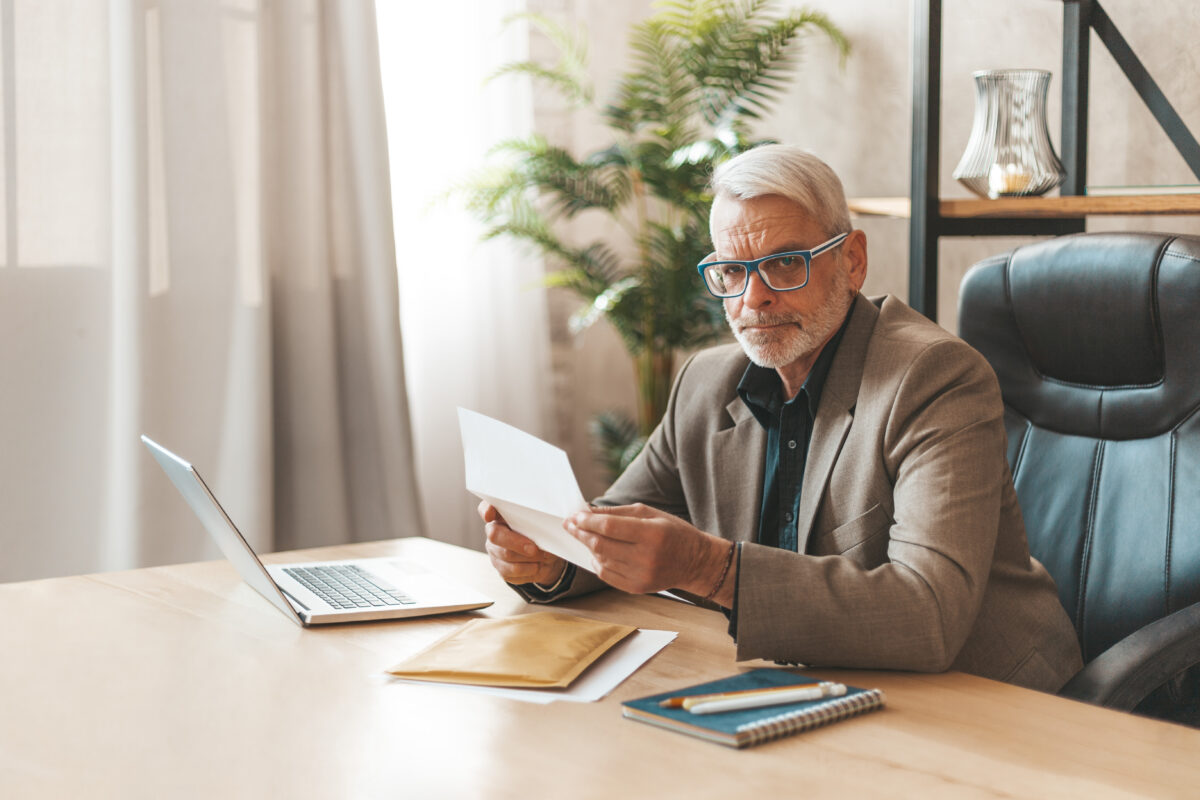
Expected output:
(182, 682)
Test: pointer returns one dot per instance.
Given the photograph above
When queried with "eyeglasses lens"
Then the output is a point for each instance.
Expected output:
(728, 279)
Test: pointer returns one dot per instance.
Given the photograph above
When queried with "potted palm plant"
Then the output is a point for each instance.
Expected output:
(701, 72)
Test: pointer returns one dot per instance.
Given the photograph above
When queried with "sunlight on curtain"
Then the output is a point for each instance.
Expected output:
(474, 318)
(196, 245)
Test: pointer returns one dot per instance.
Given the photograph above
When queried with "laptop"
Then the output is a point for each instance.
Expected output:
(319, 593)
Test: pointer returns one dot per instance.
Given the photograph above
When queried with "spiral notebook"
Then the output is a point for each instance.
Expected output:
(749, 727)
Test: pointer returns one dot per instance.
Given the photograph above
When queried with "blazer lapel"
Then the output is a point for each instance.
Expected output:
(739, 457)
(834, 415)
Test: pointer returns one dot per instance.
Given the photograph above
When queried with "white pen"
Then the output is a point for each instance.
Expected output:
(825, 689)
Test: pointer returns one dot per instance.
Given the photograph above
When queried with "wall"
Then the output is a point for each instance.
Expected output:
(858, 118)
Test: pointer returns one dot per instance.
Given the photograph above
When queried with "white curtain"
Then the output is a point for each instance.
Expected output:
(474, 315)
(196, 240)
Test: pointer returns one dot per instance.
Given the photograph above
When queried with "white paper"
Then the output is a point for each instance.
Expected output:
(621, 661)
(529, 481)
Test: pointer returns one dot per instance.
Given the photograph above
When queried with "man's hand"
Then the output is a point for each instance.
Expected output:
(641, 549)
(516, 557)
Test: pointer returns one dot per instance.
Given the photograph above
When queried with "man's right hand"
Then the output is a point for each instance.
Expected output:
(516, 557)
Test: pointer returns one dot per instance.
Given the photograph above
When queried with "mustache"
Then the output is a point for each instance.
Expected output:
(754, 319)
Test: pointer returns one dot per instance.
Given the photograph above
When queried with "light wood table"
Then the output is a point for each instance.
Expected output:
(182, 682)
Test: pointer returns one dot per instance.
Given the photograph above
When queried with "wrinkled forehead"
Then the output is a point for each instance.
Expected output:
(758, 226)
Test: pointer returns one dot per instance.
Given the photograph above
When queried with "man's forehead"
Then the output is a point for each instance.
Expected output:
(761, 222)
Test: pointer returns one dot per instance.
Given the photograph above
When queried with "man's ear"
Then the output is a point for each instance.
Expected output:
(854, 250)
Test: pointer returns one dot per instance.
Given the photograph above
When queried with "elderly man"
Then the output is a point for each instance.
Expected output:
(836, 480)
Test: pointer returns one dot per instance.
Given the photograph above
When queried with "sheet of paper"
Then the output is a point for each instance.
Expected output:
(606, 674)
(529, 481)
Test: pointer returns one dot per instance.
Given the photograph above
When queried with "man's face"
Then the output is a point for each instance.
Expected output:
(779, 328)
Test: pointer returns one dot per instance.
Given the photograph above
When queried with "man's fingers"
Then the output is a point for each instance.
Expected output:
(516, 557)
(515, 572)
(624, 526)
(636, 510)
(516, 560)
(488, 512)
(505, 537)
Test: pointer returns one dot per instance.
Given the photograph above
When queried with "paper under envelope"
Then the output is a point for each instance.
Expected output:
(529, 481)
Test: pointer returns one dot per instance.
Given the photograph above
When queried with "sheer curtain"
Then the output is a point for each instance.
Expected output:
(197, 245)
(474, 316)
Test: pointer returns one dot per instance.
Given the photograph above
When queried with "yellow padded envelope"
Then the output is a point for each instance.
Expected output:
(541, 650)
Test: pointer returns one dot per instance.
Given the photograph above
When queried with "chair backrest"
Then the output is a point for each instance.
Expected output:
(1096, 341)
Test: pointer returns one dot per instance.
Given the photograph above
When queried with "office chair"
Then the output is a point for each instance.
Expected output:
(1095, 338)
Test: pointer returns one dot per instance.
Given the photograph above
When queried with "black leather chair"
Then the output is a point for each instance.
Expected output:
(1096, 341)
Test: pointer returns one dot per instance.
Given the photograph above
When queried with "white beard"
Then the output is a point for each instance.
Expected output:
(797, 340)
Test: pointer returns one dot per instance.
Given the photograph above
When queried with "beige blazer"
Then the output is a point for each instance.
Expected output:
(912, 550)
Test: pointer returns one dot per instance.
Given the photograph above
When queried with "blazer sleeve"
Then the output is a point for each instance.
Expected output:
(937, 446)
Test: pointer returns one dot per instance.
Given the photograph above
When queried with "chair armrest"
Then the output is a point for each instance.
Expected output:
(1124, 674)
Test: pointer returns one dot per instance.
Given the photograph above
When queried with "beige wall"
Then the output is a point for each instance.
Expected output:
(858, 119)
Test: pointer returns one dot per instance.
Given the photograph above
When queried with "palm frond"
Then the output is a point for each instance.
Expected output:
(743, 62)
(690, 317)
(617, 441)
(569, 186)
(570, 75)
(591, 270)
(603, 302)
(656, 93)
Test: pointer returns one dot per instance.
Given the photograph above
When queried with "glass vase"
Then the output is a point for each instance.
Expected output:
(1009, 153)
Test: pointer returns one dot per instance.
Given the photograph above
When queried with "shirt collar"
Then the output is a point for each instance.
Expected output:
(761, 388)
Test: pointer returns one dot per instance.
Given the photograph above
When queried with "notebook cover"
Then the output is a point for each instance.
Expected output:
(766, 723)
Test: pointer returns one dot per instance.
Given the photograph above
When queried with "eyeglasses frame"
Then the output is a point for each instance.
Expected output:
(752, 267)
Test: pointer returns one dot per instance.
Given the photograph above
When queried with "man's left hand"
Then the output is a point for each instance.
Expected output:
(640, 549)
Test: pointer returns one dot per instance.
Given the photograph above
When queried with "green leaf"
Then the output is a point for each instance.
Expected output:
(570, 75)
(617, 441)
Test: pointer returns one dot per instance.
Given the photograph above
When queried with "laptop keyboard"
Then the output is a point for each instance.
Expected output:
(349, 586)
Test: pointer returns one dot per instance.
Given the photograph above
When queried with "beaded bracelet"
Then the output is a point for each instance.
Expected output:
(724, 573)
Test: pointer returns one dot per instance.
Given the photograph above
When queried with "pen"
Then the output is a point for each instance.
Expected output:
(769, 699)
(683, 702)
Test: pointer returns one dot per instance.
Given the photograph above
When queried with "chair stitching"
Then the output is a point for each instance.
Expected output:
(1184, 419)
(1098, 386)
(1012, 311)
(1170, 528)
(1184, 256)
(1080, 605)
(1020, 459)
(1156, 317)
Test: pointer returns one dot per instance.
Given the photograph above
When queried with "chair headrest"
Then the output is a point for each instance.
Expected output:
(1093, 334)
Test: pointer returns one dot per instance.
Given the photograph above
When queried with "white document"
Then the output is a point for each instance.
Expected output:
(625, 657)
(529, 481)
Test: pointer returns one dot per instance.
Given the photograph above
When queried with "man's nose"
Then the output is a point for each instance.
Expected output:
(758, 294)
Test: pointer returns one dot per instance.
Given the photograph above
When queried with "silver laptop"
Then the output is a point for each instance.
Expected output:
(317, 593)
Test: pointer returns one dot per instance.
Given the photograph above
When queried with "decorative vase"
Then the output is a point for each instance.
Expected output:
(1009, 152)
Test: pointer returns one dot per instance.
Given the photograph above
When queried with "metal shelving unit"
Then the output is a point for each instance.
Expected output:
(931, 218)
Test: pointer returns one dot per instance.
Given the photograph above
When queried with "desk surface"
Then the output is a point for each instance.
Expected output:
(182, 682)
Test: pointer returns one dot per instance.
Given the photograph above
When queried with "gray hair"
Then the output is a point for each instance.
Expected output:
(789, 171)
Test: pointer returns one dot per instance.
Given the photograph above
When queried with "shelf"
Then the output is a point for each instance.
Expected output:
(881, 206)
(1070, 207)
(931, 218)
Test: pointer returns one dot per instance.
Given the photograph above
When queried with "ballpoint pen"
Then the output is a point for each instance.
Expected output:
(686, 700)
(762, 699)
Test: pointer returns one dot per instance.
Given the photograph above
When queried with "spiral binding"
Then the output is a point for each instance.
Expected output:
(804, 719)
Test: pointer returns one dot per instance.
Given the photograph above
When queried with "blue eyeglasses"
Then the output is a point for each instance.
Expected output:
(782, 272)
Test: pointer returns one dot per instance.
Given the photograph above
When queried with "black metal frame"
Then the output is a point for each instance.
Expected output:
(926, 225)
